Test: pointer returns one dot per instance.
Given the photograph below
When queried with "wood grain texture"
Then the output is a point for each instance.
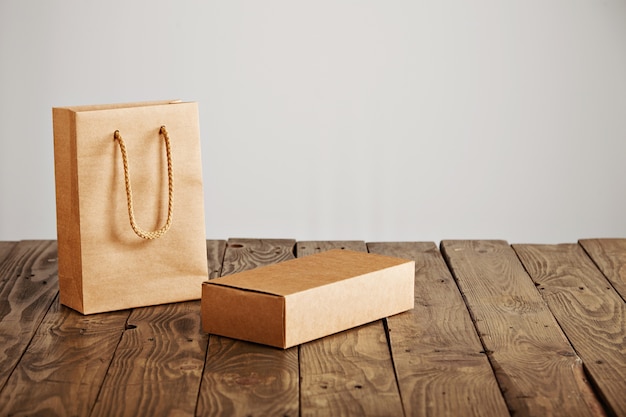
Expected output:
(610, 257)
(215, 250)
(248, 379)
(351, 372)
(158, 364)
(5, 248)
(29, 273)
(590, 311)
(525, 344)
(7, 275)
(62, 371)
(310, 247)
(163, 352)
(441, 365)
(56, 362)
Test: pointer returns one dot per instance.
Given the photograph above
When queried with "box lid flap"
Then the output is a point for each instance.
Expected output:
(312, 271)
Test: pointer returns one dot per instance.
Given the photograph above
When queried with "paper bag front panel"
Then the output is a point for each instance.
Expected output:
(119, 269)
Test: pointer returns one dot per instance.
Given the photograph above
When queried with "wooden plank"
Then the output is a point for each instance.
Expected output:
(29, 273)
(590, 311)
(163, 355)
(247, 379)
(6, 274)
(305, 248)
(215, 250)
(5, 248)
(524, 342)
(348, 373)
(441, 365)
(610, 257)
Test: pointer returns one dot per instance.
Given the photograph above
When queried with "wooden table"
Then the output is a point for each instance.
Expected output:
(497, 330)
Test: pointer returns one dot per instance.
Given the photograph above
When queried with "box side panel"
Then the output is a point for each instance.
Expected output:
(240, 314)
(345, 304)
(67, 208)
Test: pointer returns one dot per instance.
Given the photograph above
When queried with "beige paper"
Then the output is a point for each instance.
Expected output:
(103, 264)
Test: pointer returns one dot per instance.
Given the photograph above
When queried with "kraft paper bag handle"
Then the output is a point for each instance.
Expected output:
(129, 194)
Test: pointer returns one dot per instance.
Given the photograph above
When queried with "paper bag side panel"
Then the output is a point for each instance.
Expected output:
(350, 303)
(241, 314)
(67, 206)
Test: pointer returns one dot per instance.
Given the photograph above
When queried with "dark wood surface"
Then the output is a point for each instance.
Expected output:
(497, 330)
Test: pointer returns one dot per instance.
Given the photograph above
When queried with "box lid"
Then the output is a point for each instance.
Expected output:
(302, 274)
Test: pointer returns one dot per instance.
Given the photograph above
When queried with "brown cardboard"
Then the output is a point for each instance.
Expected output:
(303, 299)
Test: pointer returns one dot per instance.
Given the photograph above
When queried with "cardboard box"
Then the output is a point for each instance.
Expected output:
(303, 299)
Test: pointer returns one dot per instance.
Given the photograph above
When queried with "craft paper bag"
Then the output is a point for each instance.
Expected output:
(130, 206)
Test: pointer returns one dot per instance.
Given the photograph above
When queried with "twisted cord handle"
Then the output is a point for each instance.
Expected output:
(129, 193)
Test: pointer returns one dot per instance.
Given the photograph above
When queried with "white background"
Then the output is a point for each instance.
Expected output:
(336, 119)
